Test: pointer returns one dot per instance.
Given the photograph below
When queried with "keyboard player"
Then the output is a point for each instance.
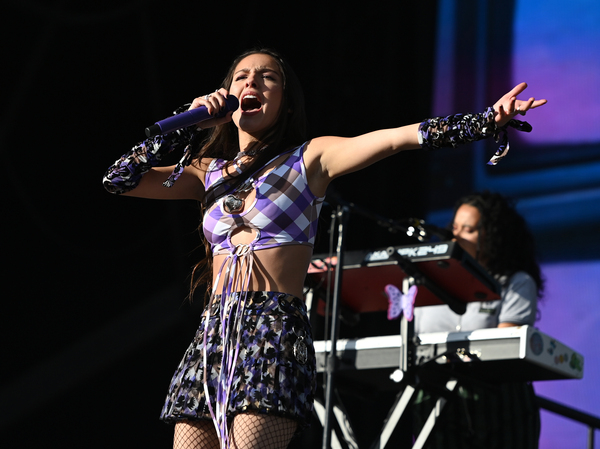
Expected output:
(488, 227)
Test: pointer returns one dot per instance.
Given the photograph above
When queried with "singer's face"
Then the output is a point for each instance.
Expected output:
(466, 228)
(258, 84)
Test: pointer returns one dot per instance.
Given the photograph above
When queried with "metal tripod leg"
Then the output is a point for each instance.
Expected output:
(433, 416)
(342, 427)
(397, 411)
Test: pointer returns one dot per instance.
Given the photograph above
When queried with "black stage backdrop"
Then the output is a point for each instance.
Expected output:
(94, 311)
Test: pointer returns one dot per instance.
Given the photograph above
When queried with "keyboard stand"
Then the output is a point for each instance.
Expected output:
(406, 367)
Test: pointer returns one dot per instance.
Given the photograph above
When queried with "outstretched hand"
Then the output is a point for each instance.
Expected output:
(509, 106)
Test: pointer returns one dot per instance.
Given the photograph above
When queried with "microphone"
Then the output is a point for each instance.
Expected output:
(191, 117)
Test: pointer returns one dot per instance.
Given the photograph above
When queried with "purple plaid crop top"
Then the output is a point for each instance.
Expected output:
(285, 211)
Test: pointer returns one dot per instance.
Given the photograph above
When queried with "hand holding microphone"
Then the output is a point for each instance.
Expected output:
(212, 102)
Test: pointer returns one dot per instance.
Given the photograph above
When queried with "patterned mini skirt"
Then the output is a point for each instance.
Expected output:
(275, 369)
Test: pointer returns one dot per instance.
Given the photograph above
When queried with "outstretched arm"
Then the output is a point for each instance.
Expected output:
(327, 158)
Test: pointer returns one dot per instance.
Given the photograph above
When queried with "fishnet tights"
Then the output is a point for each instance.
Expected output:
(248, 431)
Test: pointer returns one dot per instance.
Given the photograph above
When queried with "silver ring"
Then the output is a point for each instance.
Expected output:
(206, 97)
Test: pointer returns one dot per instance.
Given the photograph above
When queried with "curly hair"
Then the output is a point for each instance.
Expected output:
(505, 243)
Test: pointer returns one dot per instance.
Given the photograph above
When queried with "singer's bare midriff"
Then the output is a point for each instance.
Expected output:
(280, 269)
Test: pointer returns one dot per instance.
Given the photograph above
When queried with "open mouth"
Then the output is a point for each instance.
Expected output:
(250, 103)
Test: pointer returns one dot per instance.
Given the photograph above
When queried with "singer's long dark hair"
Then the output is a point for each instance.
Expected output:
(289, 130)
(505, 245)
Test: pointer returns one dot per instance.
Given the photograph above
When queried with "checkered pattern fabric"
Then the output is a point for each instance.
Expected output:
(285, 211)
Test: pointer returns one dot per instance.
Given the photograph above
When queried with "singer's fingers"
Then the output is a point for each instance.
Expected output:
(511, 106)
(521, 107)
(198, 101)
(532, 103)
(214, 102)
(516, 90)
(538, 103)
(221, 96)
(218, 100)
(223, 92)
(507, 101)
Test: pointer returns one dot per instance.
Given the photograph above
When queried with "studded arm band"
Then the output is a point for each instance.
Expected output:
(127, 171)
(454, 130)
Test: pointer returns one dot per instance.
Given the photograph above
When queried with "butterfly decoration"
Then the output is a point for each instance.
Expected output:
(400, 302)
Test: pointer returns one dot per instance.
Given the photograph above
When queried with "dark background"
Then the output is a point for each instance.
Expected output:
(95, 317)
